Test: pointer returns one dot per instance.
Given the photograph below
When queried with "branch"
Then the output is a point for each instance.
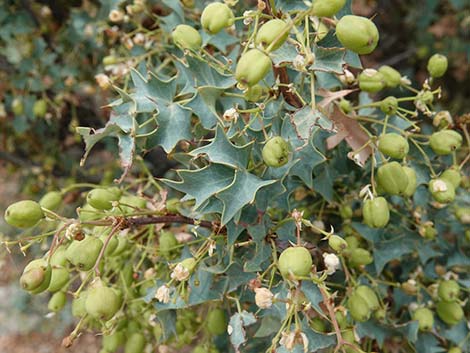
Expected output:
(175, 219)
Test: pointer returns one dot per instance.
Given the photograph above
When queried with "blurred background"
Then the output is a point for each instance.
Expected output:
(50, 55)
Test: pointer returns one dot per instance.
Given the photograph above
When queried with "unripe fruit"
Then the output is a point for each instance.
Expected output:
(448, 290)
(357, 33)
(199, 349)
(327, 8)
(392, 76)
(112, 342)
(272, 31)
(345, 106)
(189, 264)
(425, 319)
(445, 142)
(442, 190)
(78, 305)
(337, 243)
(453, 175)
(217, 322)
(392, 178)
(17, 106)
(51, 200)
(59, 278)
(252, 67)
(36, 276)
(254, 93)
(380, 314)
(428, 231)
(389, 105)
(437, 65)
(132, 203)
(216, 16)
(58, 258)
(135, 343)
(88, 213)
(412, 182)
(57, 302)
(369, 296)
(186, 37)
(360, 257)
(353, 242)
(393, 145)
(409, 287)
(318, 324)
(296, 261)
(345, 211)
(167, 242)
(23, 214)
(371, 81)
(455, 350)
(40, 108)
(341, 319)
(376, 213)
(358, 308)
(276, 152)
(463, 215)
(102, 302)
(449, 312)
(121, 247)
(83, 254)
(112, 244)
(102, 199)
(110, 60)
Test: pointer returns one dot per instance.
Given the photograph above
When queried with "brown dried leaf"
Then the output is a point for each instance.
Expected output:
(350, 130)
(329, 96)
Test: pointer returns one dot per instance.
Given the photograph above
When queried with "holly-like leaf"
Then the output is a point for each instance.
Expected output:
(307, 120)
(222, 151)
(237, 325)
(239, 193)
(203, 183)
(328, 60)
(149, 92)
(203, 105)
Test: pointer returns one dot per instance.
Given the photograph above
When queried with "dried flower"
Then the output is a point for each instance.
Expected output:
(263, 298)
(331, 262)
(163, 294)
(116, 16)
(180, 273)
(103, 81)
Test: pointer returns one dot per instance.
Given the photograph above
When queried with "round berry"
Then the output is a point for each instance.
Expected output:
(393, 145)
(252, 67)
(23, 214)
(295, 261)
(216, 16)
(376, 213)
(358, 34)
(186, 37)
(276, 152)
(437, 65)
(272, 34)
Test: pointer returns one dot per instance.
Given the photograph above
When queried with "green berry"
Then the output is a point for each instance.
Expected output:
(23, 214)
(57, 302)
(102, 302)
(358, 308)
(437, 65)
(412, 182)
(327, 8)
(449, 312)
(452, 175)
(102, 199)
(345, 106)
(36, 276)
(40, 108)
(217, 322)
(51, 200)
(345, 211)
(425, 319)
(295, 261)
(448, 290)
(186, 37)
(112, 342)
(369, 296)
(110, 60)
(254, 93)
(442, 190)
(371, 81)
(17, 106)
(252, 67)
(167, 242)
(59, 278)
(389, 105)
(276, 152)
(357, 33)
(135, 343)
(455, 350)
(78, 305)
(216, 16)
(318, 324)
(274, 31)
(393, 145)
(463, 215)
(445, 142)
(360, 257)
(337, 243)
(376, 213)
(392, 178)
(392, 76)
(83, 254)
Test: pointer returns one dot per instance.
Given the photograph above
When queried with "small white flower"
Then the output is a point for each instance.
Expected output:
(288, 340)
(229, 329)
(347, 78)
(139, 38)
(405, 80)
(116, 16)
(180, 273)
(332, 263)
(263, 298)
(103, 81)
(439, 186)
(163, 294)
(183, 237)
(248, 17)
(231, 114)
(149, 273)
(212, 247)
(299, 62)
(413, 306)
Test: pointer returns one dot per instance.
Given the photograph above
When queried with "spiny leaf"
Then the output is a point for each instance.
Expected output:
(222, 151)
